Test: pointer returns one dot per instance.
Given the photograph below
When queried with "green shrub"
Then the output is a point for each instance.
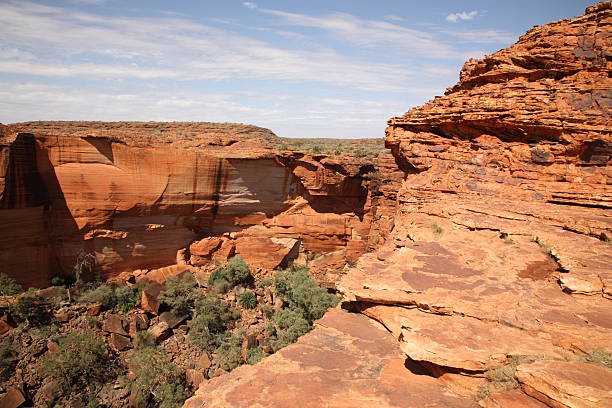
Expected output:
(296, 287)
(82, 360)
(248, 300)
(30, 309)
(58, 281)
(229, 353)
(104, 294)
(126, 298)
(156, 375)
(291, 326)
(144, 339)
(237, 271)
(255, 355)
(267, 310)
(437, 230)
(211, 317)
(8, 286)
(180, 293)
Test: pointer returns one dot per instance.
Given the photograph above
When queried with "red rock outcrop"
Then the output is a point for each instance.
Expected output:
(346, 361)
(501, 245)
(135, 193)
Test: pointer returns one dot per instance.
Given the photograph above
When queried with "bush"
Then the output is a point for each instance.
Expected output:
(599, 357)
(8, 286)
(126, 298)
(211, 317)
(255, 355)
(237, 271)
(229, 353)
(179, 293)
(502, 377)
(82, 360)
(144, 339)
(156, 375)
(296, 287)
(104, 294)
(29, 309)
(291, 325)
(123, 298)
(437, 230)
(248, 300)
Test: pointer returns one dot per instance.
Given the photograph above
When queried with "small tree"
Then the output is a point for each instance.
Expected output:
(229, 353)
(238, 271)
(179, 293)
(103, 294)
(210, 321)
(80, 363)
(85, 263)
(156, 375)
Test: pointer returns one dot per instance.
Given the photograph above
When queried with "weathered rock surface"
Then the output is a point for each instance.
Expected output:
(501, 243)
(136, 193)
(567, 384)
(348, 360)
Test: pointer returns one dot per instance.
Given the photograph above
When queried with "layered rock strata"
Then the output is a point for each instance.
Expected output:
(496, 281)
(135, 193)
(501, 247)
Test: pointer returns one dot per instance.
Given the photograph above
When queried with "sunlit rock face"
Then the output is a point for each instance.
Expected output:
(134, 195)
(501, 245)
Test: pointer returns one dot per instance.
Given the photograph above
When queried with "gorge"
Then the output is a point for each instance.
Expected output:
(472, 257)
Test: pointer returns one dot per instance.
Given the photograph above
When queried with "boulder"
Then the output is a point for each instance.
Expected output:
(171, 319)
(148, 299)
(12, 399)
(194, 378)
(138, 322)
(114, 324)
(160, 331)
(119, 342)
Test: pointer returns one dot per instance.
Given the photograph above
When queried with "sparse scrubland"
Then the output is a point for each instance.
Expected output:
(93, 345)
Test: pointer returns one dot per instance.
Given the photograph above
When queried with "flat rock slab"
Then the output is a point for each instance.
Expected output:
(563, 384)
(460, 342)
(511, 399)
(348, 360)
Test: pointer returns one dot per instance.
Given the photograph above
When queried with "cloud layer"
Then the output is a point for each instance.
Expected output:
(295, 72)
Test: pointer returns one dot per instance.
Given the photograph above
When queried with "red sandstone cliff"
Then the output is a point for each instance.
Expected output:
(135, 193)
(500, 253)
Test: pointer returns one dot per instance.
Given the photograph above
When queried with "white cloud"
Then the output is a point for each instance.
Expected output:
(372, 33)
(249, 4)
(463, 15)
(181, 49)
(394, 18)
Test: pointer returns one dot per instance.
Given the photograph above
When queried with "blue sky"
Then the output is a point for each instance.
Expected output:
(301, 68)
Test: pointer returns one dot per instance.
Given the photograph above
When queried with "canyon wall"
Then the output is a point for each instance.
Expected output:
(496, 281)
(135, 193)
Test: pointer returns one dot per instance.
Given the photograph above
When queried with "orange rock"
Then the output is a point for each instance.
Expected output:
(346, 361)
(567, 384)
(119, 342)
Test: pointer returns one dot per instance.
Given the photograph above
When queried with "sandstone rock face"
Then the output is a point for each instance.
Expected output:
(346, 361)
(501, 244)
(134, 194)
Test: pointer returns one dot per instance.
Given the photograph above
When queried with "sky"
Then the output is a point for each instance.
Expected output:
(300, 68)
